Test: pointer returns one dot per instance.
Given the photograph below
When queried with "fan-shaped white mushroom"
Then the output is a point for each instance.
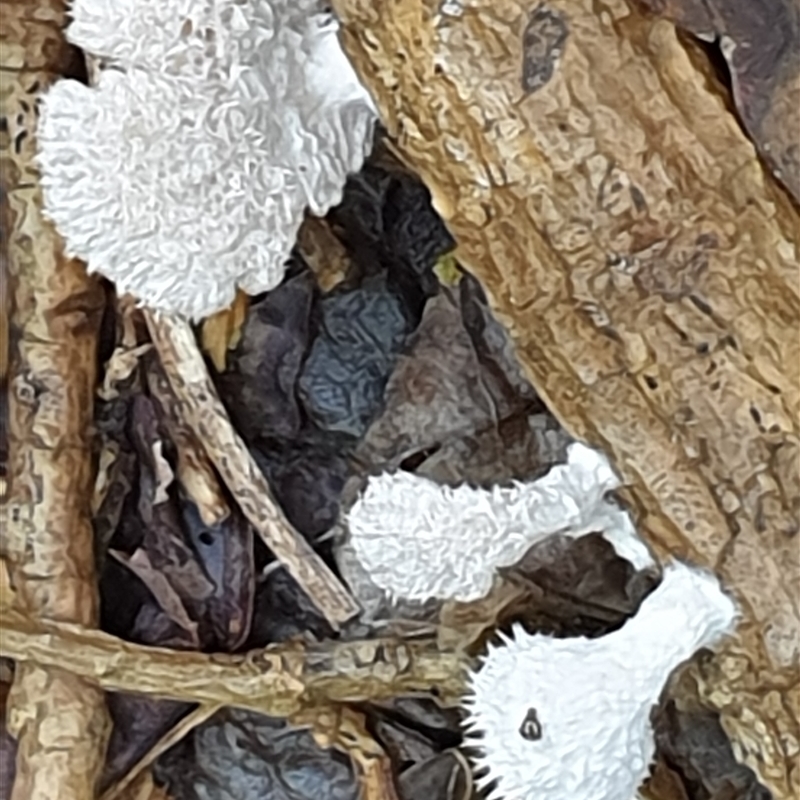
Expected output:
(185, 172)
(419, 540)
(570, 718)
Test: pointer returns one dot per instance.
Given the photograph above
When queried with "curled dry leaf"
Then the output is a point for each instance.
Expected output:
(194, 571)
(163, 592)
(259, 388)
(345, 728)
(138, 775)
(445, 776)
(250, 757)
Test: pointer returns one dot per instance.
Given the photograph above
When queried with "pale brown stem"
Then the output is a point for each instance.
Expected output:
(60, 720)
(208, 419)
(279, 680)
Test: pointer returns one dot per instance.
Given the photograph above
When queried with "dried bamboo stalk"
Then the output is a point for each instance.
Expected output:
(647, 269)
(60, 720)
(280, 680)
(207, 417)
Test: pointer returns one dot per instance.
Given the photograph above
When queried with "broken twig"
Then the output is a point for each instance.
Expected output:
(206, 415)
(280, 680)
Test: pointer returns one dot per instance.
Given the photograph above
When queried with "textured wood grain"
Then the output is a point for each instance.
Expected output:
(760, 42)
(647, 268)
(60, 720)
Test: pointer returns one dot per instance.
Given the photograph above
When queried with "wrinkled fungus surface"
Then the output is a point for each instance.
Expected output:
(186, 169)
(555, 718)
(418, 539)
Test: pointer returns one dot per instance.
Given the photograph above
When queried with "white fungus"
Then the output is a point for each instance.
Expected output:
(185, 172)
(419, 540)
(570, 718)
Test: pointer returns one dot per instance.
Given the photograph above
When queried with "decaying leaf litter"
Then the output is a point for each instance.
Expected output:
(181, 611)
(422, 379)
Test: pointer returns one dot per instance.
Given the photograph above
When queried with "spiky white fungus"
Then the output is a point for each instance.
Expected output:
(186, 170)
(419, 540)
(570, 718)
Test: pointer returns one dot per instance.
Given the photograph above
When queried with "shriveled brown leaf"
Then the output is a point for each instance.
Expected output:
(345, 728)
(141, 724)
(162, 590)
(663, 784)
(435, 392)
(445, 776)
(221, 332)
(323, 252)
(131, 784)
(250, 757)
(259, 389)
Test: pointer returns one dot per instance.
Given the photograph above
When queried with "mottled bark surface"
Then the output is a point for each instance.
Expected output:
(59, 719)
(760, 42)
(647, 267)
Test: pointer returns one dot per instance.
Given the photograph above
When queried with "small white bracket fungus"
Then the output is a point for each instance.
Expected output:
(186, 170)
(418, 540)
(570, 718)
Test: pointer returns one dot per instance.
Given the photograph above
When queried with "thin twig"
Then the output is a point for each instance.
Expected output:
(174, 735)
(194, 469)
(280, 680)
(206, 415)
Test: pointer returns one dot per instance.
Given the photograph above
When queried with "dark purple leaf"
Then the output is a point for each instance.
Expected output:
(251, 757)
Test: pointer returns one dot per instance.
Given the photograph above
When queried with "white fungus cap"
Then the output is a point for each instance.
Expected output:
(185, 172)
(570, 718)
(419, 540)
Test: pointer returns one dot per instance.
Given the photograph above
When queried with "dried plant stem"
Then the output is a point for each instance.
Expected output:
(280, 680)
(194, 469)
(207, 417)
(59, 719)
(172, 737)
(345, 728)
